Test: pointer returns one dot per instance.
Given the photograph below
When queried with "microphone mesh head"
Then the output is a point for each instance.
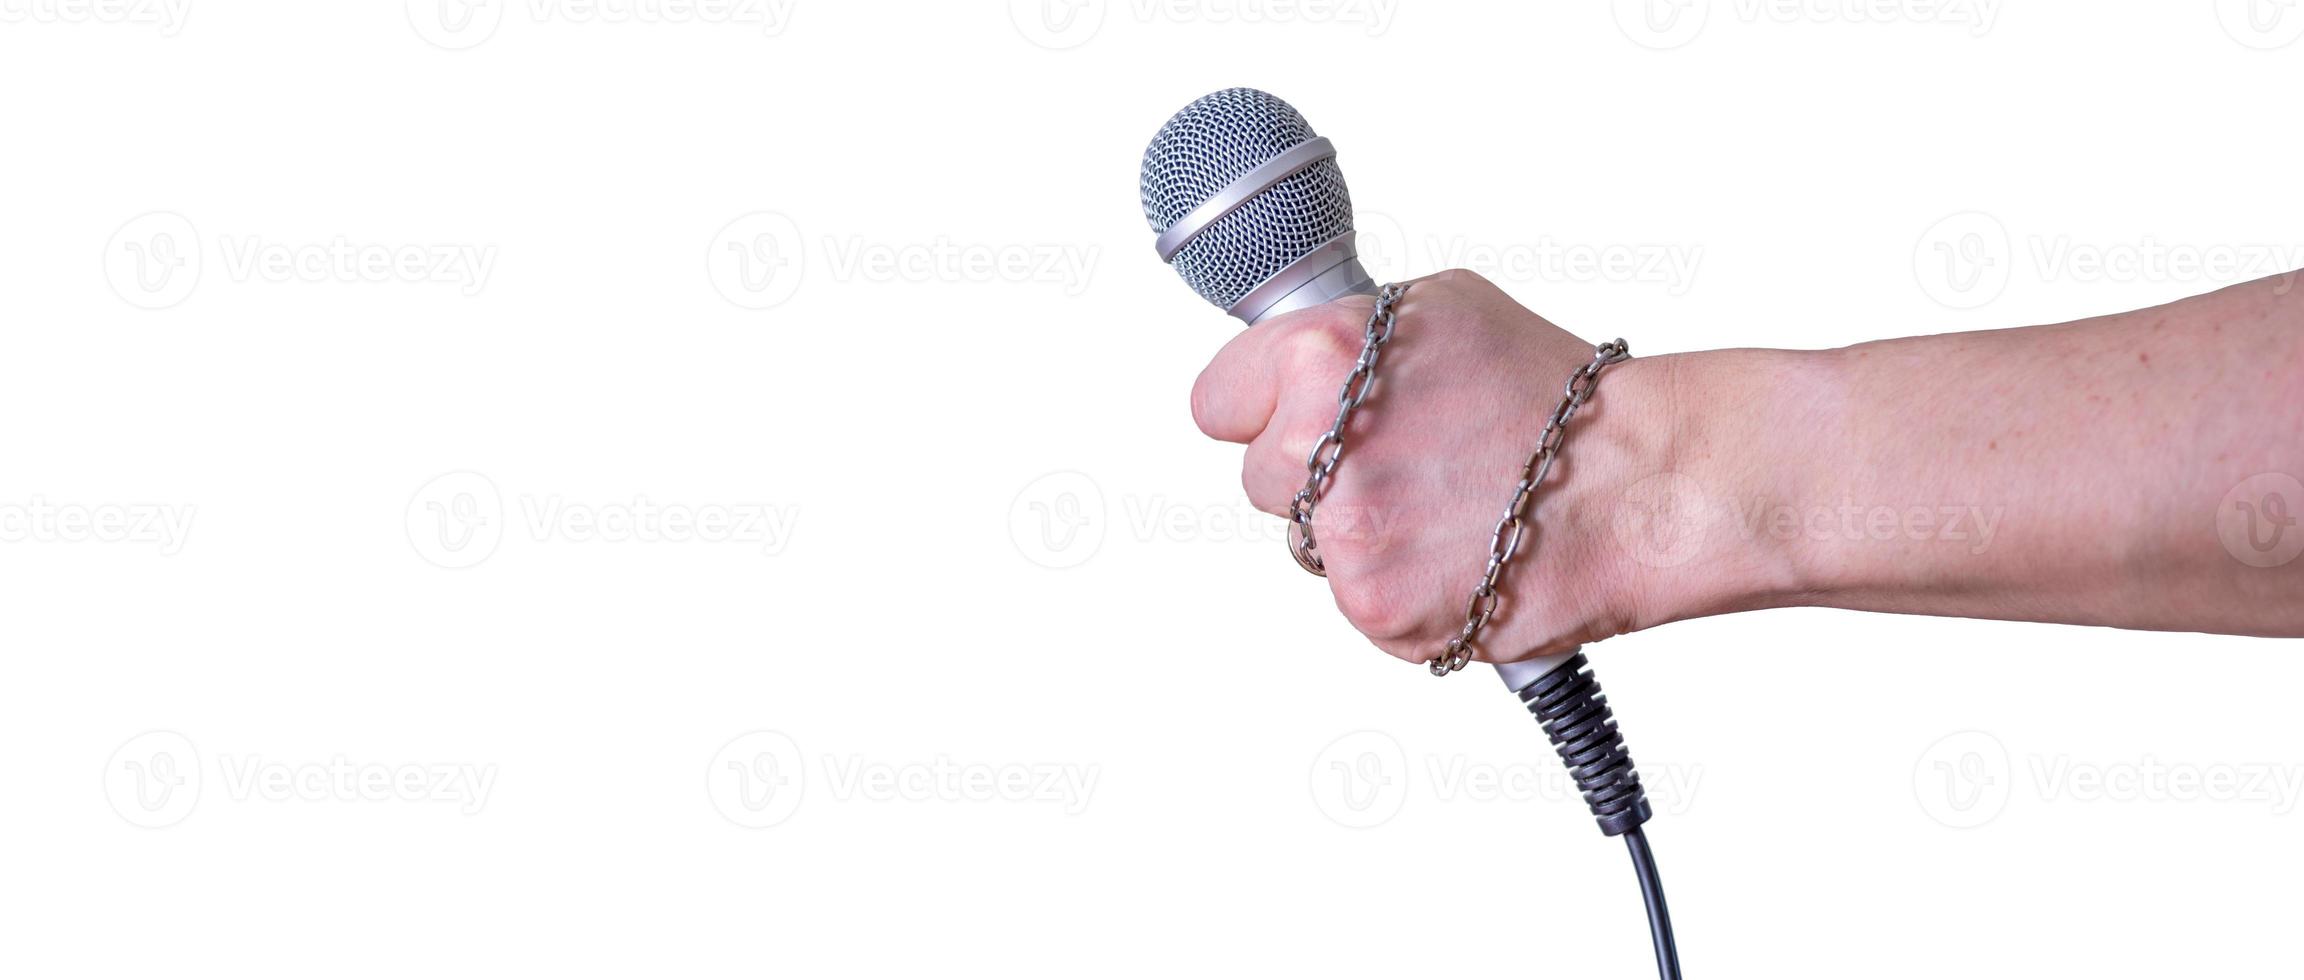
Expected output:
(1204, 147)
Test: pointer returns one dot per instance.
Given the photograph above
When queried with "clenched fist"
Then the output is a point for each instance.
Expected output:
(1463, 389)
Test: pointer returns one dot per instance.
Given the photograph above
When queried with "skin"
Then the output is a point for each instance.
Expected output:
(2136, 470)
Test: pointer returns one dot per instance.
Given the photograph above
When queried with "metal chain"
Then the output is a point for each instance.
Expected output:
(1320, 464)
(1504, 541)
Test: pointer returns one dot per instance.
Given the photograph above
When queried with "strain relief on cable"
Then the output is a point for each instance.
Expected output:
(1576, 717)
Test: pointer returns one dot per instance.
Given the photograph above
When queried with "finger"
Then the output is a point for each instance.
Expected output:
(1234, 398)
(1274, 467)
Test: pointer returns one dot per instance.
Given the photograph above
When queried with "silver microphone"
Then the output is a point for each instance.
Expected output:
(1250, 207)
(1251, 210)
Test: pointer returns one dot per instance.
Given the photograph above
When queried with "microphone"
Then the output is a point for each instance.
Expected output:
(1252, 212)
(1250, 209)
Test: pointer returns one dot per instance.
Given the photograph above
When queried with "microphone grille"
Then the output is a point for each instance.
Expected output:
(1206, 146)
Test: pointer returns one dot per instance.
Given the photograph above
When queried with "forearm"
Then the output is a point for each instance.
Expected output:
(2074, 473)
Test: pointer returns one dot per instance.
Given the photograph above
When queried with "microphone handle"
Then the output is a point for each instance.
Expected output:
(1325, 273)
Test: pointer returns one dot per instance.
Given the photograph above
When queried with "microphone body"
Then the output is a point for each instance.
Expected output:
(1251, 211)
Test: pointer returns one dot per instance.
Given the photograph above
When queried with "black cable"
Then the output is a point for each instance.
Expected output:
(1567, 701)
(1652, 894)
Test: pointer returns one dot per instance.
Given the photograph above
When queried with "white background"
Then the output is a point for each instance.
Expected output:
(983, 633)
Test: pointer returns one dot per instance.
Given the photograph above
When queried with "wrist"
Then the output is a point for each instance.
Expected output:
(1725, 433)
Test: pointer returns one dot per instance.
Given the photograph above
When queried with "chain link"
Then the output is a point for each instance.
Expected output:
(1320, 464)
(1504, 539)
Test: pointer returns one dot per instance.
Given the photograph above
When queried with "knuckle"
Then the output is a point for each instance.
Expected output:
(1297, 436)
(1465, 284)
(1374, 608)
(1462, 277)
(1267, 486)
(1204, 403)
(1407, 650)
(1322, 339)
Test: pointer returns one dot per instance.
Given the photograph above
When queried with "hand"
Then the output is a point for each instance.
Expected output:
(1430, 459)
